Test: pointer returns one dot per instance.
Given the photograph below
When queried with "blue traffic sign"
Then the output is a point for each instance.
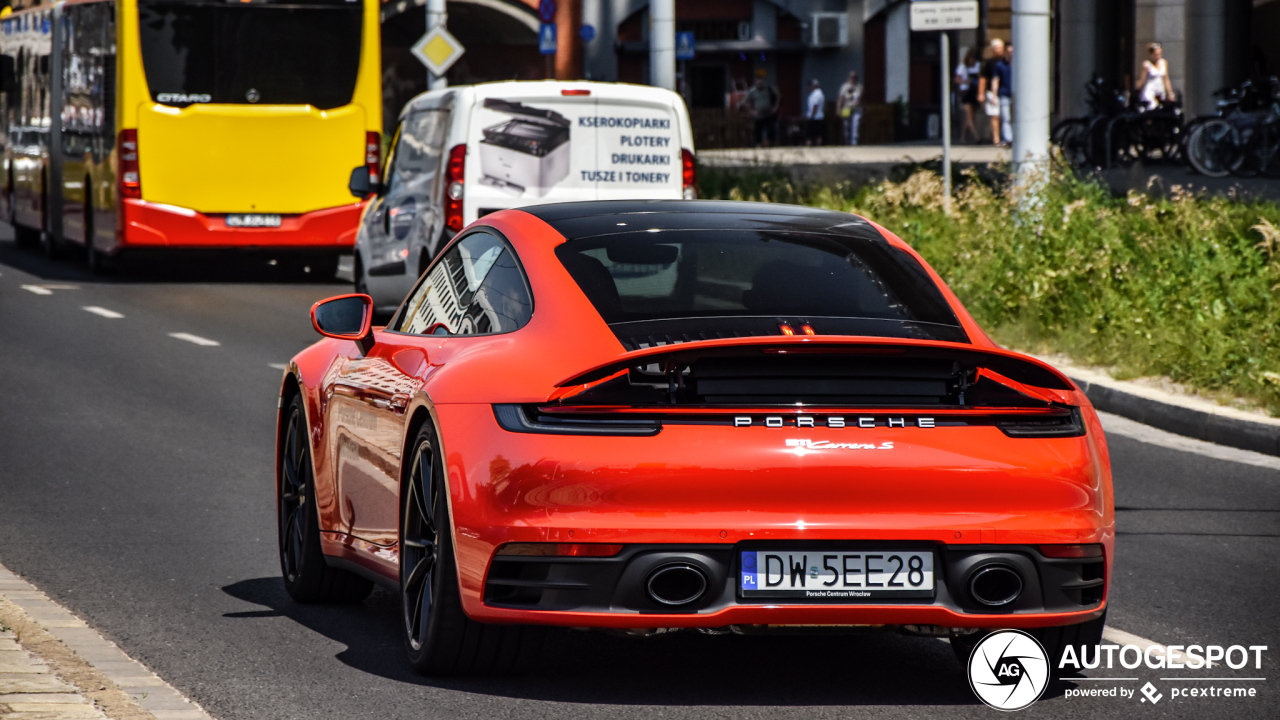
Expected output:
(587, 32)
(684, 46)
(547, 11)
(547, 39)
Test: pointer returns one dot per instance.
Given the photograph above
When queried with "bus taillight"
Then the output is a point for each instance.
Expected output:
(373, 156)
(127, 154)
(453, 188)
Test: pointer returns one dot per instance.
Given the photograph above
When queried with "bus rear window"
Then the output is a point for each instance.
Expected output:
(304, 52)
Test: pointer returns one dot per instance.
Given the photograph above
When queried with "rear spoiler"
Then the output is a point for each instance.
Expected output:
(1014, 366)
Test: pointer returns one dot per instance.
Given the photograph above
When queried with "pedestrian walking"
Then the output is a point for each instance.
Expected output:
(1153, 84)
(762, 102)
(849, 107)
(1004, 93)
(813, 113)
(987, 87)
(967, 84)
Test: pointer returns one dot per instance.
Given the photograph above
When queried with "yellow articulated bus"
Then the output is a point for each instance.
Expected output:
(162, 124)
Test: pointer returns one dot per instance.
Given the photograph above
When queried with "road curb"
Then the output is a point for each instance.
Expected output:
(1211, 427)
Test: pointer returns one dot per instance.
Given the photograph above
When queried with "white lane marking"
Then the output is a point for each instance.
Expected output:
(103, 312)
(1114, 424)
(37, 290)
(205, 342)
(1120, 637)
(277, 366)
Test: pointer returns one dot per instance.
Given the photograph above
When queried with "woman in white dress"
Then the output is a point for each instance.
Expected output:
(1153, 84)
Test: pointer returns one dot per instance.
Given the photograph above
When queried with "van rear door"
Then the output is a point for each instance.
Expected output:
(638, 144)
(531, 143)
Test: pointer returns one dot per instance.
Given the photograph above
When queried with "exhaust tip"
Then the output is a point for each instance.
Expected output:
(676, 584)
(995, 585)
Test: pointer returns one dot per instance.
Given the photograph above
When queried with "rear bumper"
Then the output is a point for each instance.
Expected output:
(154, 225)
(963, 491)
(610, 592)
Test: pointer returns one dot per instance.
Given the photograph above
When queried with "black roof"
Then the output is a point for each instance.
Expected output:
(579, 220)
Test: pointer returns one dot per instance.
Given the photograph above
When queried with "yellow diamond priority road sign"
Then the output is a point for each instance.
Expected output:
(438, 50)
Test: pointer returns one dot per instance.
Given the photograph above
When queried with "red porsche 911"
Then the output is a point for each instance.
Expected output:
(686, 414)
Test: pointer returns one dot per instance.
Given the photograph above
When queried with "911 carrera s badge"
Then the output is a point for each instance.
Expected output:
(806, 444)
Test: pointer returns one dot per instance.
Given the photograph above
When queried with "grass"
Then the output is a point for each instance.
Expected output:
(1185, 286)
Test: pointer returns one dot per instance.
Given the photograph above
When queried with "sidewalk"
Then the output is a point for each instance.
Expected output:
(53, 666)
(851, 155)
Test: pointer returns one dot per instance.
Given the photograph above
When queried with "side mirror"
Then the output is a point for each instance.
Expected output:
(346, 317)
(360, 183)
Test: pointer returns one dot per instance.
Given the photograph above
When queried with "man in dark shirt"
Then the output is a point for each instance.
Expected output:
(987, 84)
(1003, 73)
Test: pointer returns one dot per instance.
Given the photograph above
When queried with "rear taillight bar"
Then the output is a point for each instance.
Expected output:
(454, 173)
(373, 157)
(130, 177)
(689, 174)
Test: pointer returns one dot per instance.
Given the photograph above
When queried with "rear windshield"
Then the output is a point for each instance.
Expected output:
(294, 53)
(673, 286)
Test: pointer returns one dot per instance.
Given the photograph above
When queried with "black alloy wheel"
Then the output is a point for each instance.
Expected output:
(307, 577)
(419, 546)
(439, 637)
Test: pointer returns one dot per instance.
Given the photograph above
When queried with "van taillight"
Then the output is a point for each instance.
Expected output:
(453, 188)
(689, 173)
(127, 159)
(373, 156)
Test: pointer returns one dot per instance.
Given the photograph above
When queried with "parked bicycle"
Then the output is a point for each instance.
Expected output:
(1243, 137)
(1119, 130)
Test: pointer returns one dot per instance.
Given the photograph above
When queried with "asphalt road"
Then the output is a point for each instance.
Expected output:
(136, 489)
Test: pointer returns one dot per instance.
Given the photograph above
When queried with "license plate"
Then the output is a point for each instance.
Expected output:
(836, 575)
(253, 221)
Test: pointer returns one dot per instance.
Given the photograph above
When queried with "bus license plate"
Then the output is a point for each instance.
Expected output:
(253, 221)
(836, 575)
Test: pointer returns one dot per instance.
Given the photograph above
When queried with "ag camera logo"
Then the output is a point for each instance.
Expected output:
(1008, 670)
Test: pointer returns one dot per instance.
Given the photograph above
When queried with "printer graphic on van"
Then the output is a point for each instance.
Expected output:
(528, 154)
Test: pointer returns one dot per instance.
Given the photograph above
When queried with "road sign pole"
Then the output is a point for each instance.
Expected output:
(436, 16)
(946, 122)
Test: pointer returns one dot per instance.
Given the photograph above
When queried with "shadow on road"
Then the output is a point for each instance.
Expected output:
(676, 669)
(169, 266)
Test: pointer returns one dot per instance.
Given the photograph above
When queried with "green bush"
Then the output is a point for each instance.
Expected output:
(1185, 286)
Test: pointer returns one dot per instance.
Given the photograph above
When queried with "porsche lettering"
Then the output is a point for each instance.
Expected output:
(832, 421)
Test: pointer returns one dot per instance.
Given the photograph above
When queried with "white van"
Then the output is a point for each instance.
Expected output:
(466, 151)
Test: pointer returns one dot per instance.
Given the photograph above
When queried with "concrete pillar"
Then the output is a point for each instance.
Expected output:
(1206, 23)
(764, 21)
(1077, 54)
(897, 53)
(1030, 84)
(662, 44)
(568, 40)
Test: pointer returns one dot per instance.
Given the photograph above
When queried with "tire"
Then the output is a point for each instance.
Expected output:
(307, 577)
(1072, 138)
(1053, 639)
(440, 639)
(359, 282)
(1213, 148)
(99, 262)
(50, 246)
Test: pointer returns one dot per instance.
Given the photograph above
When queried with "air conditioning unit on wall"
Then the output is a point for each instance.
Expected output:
(827, 29)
